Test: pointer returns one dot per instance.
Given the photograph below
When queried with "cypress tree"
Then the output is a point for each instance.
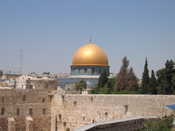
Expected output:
(145, 79)
(153, 83)
(169, 66)
(102, 79)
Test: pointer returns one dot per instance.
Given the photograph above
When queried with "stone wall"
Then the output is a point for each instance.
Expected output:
(46, 110)
(19, 104)
(72, 111)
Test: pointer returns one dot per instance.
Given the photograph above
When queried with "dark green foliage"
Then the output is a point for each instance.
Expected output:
(164, 124)
(153, 84)
(80, 86)
(145, 79)
(173, 82)
(111, 83)
(103, 79)
(126, 81)
(161, 81)
(108, 88)
(166, 77)
(125, 92)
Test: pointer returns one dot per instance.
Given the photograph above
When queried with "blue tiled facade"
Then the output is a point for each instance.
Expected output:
(89, 70)
(85, 73)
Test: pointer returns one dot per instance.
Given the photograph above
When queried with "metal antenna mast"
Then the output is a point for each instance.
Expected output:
(21, 61)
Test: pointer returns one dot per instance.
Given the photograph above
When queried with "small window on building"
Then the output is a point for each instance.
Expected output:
(2, 111)
(60, 117)
(64, 124)
(43, 100)
(17, 112)
(51, 97)
(44, 111)
(106, 114)
(85, 70)
(24, 98)
(30, 112)
(93, 70)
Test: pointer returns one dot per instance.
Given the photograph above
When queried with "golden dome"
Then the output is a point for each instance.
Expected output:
(90, 55)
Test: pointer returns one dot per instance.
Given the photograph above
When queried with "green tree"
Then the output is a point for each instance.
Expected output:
(166, 78)
(102, 79)
(161, 81)
(132, 81)
(110, 85)
(122, 76)
(173, 83)
(145, 79)
(80, 86)
(153, 83)
(169, 67)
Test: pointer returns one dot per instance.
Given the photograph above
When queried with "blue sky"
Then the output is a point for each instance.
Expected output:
(49, 32)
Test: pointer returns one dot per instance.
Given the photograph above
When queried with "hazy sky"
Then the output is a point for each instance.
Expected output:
(49, 31)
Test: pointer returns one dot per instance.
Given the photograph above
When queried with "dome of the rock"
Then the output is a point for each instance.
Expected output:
(90, 55)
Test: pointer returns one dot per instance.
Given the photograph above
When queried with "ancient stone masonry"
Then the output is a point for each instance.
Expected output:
(50, 110)
(18, 108)
(72, 111)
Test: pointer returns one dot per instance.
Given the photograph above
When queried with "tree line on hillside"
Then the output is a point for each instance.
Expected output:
(126, 81)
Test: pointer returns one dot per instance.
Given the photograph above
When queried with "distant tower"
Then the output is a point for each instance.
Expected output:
(21, 61)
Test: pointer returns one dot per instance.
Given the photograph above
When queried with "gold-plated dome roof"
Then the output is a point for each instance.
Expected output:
(90, 55)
